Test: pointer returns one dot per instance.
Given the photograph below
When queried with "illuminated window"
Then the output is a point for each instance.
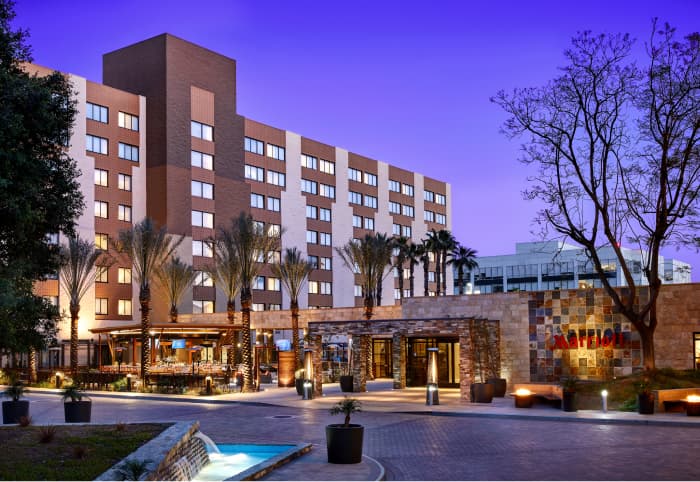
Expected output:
(124, 307)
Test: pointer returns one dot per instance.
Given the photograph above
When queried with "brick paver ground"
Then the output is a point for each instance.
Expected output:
(425, 447)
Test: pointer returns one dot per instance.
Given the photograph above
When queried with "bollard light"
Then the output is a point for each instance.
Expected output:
(59, 379)
(431, 389)
(604, 395)
(128, 382)
(207, 380)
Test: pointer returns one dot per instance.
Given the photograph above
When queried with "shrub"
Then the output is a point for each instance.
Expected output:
(47, 433)
(25, 421)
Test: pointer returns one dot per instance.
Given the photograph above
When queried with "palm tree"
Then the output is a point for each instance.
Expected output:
(250, 244)
(148, 247)
(175, 277)
(463, 259)
(77, 274)
(446, 244)
(226, 272)
(293, 270)
(401, 245)
(413, 256)
(430, 245)
(382, 252)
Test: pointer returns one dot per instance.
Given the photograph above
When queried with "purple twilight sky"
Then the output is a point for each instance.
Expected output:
(403, 82)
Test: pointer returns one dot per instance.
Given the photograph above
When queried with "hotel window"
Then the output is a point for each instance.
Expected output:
(431, 257)
(202, 306)
(273, 204)
(97, 113)
(96, 144)
(313, 261)
(253, 145)
(407, 189)
(408, 210)
(370, 179)
(129, 121)
(101, 241)
(274, 230)
(205, 161)
(325, 239)
(204, 131)
(369, 224)
(406, 273)
(309, 186)
(257, 201)
(101, 209)
(440, 218)
(202, 219)
(124, 276)
(259, 283)
(327, 166)
(354, 197)
(124, 182)
(429, 216)
(274, 257)
(202, 278)
(354, 174)
(274, 307)
(370, 201)
(406, 293)
(312, 237)
(124, 213)
(358, 290)
(394, 186)
(325, 264)
(259, 226)
(101, 274)
(324, 214)
(394, 208)
(431, 276)
(124, 308)
(128, 152)
(202, 189)
(326, 288)
(276, 178)
(312, 212)
(313, 287)
(356, 221)
(101, 306)
(273, 284)
(52, 239)
(254, 173)
(406, 231)
(275, 152)
(258, 307)
(440, 199)
(397, 294)
(52, 299)
(396, 229)
(101, 177)
(309, 162)
(429, 196)
(202, 248)
(327, 191)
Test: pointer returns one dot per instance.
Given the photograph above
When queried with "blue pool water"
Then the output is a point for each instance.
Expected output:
(235, 458)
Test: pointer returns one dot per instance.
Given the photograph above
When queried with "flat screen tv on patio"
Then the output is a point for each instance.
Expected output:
(180, 343)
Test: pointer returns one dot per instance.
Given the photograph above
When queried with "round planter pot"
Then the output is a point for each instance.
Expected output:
(692, 409)
(645, 403)
(78, 412)
(481, 392)
(523, 401)
(344, 444)
(499, 386)
(568, 401)
(346, 384)
(12, 411)
(299, 384)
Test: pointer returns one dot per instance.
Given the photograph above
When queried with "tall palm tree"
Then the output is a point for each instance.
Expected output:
(293, 270)
(463, 259)
(77, 274)
(148, 247)
(413, 256)
(175, 277)
(401, 244)
(382, 253)
(446, 244)
(251, 244)
(431, 245)
(226, 272)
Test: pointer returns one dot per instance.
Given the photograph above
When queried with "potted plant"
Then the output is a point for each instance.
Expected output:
(481, 392)
(568, 387)
(492, 362)
(344, 440)
(14, 409)
(76, 409)
(346, 380)
(645, 397)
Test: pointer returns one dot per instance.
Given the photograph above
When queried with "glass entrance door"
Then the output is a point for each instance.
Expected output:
(447, 361)
(381, 358)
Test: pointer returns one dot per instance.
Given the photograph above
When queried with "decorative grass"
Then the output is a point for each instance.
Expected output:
(77, 452)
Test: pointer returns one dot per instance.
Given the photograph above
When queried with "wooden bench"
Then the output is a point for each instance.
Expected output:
(672, 399)
(549, 393)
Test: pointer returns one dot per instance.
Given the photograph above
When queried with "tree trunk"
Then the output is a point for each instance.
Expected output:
(74, 311)
(444, 273)
(460, 279)
(369, 365)
(32, 365)
(173, 314)
(410, 279)
(231, 333)
(368, 307)
(425, 276)
(400, 283)
(437, 273)
(294, 306)
(379, 291)
(248, 379)
(145, 300)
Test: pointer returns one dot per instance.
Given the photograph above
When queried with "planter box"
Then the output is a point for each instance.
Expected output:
(499, 386)
(568, 401)
(344, 444)
(12, 411)
(346, 383)
(78, 412)
(481, 392)
(645, 403)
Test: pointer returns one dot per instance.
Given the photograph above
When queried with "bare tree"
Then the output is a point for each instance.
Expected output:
(617, 157)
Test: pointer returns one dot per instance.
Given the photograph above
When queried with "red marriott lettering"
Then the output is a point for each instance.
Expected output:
(573, 342)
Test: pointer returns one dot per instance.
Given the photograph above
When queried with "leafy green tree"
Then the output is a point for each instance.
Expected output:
(464, 259)
(77, 274)
(293, 270)
(617, 152)
(38, 181)
(149, 248)
(175, 277)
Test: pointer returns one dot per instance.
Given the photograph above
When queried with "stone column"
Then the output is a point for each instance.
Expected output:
(359, 363)
(398, 359)
(466, 375)
(316, 361)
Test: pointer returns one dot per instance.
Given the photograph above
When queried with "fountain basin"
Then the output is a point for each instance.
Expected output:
(248, 461)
